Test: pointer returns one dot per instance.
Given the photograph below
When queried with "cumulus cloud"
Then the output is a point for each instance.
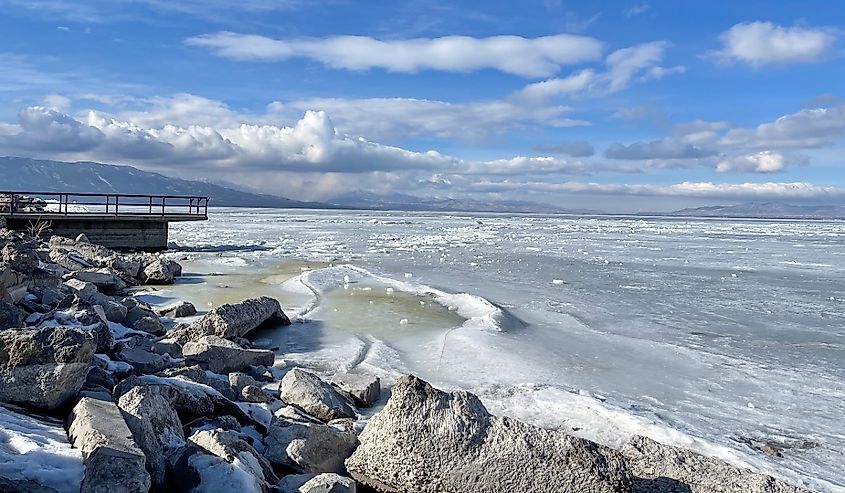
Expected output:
(622, 68)
(808, 128)
(536, 57)
(312, 144)
(658, 149)
(765, 43)
(389, 118)
(759, 162)
(738, 191)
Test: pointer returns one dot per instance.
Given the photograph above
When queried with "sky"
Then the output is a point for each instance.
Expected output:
(618, 106)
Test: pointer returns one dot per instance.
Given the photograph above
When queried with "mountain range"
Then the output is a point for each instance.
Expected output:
(34, 175)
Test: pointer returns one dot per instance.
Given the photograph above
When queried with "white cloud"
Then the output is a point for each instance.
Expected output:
(765, 43)
(710, 190)
(808, 128)
(759, 162)
(526, 57)
(623, 67)
(638, 9)
(311, 145)
(391, 118)
(658, 149)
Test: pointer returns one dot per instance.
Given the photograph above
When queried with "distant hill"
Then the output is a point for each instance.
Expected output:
(771, 210)
(32, 175)
(403, 202)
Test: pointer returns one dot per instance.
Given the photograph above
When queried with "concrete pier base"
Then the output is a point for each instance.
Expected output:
(147, 234)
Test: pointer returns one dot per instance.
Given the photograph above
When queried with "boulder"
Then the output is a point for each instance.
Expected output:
(106, 280)
(314, 396)
(88, 292)
(158, 272)
(11, 317)
(181, 309)
(235, 320)
(135, 313)
(91, 254)
(151, 325)
(195, 470)
(44, 367)
(426, 440)
(155, 427)
(307, 446)
(196, 374)
(20, 257)
(256, 394)
(666, 469)
(222, 356)
(365, 390)
(112, 459)
(328, 483)
(189, 399)
(139, 353)
(233, 449)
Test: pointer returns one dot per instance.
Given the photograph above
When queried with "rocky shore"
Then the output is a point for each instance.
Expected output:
(100, 392)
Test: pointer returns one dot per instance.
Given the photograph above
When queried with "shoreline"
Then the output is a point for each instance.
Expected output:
(207, 390)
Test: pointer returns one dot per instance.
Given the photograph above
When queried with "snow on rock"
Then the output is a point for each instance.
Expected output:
(38, 451)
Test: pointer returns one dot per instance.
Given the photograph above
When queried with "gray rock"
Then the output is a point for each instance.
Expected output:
(222, 356)
(136, 312)
(138, 353)
(190, 399)
(196, 374)
(197, 471)
(44, 367)
(8, 485)
(292, 482)
(112, 459)
(181, 309)
(155, 427)
(159, 272)
(307, 446)
(235, 320)
(11, 317)
(254, 393)
(365, 390)
(426, 440)
(106, 280)
(87, 291)
(229, 447)
(329, 483)
(239, 380)
(20, 257)
(151, 325)
(665, 469)
(314, 396)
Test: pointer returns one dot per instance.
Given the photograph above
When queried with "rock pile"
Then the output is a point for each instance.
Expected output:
(198, 408)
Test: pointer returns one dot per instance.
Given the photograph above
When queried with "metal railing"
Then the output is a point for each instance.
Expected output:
(14, 204)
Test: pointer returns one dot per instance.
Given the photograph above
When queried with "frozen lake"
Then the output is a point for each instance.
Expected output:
(717, 335)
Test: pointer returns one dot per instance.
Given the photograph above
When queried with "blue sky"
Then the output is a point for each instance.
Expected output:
(618, 106)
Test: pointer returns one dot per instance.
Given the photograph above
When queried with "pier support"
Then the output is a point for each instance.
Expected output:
(147, 234)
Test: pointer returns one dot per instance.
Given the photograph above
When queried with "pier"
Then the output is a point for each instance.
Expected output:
(118, 221)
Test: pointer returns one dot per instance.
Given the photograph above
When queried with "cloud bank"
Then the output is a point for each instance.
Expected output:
(765, 43)
(526, 57)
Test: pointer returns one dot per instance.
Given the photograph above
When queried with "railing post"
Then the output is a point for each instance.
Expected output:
(116, 205)
(163, 201)
(12, 205)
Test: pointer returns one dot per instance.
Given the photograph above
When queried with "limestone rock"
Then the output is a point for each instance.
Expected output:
(11, 317)
(135, 313)
(139, 353)
(222, 356)
(308, 446)
(314, 396)
(665, 469)
(231, 448)
(158, 272)
(44, 367)
(106, 280)
(234, 320)
(426, 440)
(195, 470)
(329, 483)
(113, 462)
(151, 325)
(365, 390)
(155, 427)
(181, 309)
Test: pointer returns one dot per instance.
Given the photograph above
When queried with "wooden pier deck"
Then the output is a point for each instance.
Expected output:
(118, 221)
